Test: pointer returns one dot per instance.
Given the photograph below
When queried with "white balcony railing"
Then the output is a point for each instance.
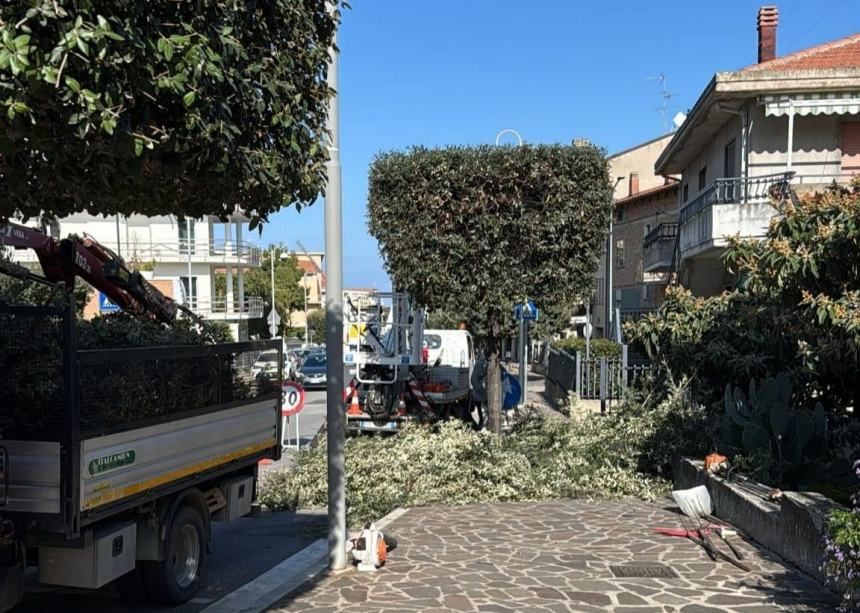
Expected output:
(250, 308)
(142, 252)
(216, 251)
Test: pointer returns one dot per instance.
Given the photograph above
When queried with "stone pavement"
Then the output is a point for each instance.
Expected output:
(554, 557)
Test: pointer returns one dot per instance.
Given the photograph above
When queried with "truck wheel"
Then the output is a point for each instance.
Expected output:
(176, 579)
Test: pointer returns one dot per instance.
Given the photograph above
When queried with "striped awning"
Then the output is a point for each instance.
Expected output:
(830, 103)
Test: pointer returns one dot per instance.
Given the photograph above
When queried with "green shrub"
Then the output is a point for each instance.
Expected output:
(589, 456)
(600, 347)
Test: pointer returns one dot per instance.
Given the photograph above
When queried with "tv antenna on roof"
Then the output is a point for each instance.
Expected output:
(666, 97)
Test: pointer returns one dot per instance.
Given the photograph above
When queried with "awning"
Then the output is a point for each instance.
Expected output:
(831, 103)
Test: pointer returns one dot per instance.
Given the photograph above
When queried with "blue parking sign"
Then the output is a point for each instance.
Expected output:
(106, 305)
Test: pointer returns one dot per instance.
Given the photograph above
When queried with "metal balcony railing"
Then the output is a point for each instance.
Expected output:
(250, 308)
(663, 232)
(657, 249)
(738, 190)
(180, 250)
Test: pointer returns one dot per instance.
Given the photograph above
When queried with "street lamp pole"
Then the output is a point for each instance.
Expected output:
(335, 429)
(272, 327)
(305, 285)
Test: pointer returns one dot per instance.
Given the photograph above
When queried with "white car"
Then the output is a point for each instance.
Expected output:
(267, 362)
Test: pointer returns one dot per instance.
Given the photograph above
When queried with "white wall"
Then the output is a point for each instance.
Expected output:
(712, 158)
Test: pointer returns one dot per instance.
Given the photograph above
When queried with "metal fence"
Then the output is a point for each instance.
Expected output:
(596, 378)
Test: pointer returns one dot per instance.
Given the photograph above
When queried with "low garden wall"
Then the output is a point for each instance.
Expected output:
(792, 528)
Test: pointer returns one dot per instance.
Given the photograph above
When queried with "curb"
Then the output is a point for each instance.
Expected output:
(268, 588)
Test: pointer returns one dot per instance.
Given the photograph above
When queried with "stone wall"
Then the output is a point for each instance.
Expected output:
(792, 528)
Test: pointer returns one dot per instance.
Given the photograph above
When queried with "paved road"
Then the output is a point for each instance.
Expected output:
(242, 549)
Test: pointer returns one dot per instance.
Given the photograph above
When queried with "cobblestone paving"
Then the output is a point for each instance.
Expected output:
(555, 557)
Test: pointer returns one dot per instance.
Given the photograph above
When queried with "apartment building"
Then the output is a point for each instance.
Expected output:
(180, 258)
(784, 120)
(644, 211)
(313, 282)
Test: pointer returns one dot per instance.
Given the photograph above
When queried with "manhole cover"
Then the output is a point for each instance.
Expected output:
(655, 571)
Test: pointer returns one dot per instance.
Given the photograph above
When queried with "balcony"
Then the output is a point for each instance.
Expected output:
(200, 251)
(657, 250)
(728, 207)
(222, 310)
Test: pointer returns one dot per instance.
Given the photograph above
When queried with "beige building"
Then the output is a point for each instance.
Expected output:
(645, 205)
(784, 120)
(313, 282)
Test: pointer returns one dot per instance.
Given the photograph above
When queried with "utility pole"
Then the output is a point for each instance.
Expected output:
(273, 328)
(335, 429)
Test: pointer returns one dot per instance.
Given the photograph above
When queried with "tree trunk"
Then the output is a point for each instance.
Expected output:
(494, 378)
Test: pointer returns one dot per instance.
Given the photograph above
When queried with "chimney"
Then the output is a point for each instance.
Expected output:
(634, 183)
(768, 19)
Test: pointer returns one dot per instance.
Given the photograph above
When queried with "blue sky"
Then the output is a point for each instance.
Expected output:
(440, 72)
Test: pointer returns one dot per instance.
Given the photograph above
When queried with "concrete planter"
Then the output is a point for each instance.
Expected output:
(793, 529)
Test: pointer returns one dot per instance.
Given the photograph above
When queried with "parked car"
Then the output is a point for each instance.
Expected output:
(312, 371)
(267, 364)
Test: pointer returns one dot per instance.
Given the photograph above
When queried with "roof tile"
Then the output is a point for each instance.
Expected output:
(839, 53)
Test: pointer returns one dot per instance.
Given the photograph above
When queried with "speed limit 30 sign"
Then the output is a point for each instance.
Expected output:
(292, 398)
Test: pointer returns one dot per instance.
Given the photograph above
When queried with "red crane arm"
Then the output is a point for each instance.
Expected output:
(102, 269)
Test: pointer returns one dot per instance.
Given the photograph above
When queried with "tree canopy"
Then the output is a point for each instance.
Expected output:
(184, 108)
(475, 230)
(289, 294)
(472, 231)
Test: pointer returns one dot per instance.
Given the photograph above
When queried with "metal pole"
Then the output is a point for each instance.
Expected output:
(588, 330)
(607, 298)
(272, 327)
(521, 354)
(118, 247)
(190, 296)
(790, 147)
(525, 384)
(335, 430)
(305, 283)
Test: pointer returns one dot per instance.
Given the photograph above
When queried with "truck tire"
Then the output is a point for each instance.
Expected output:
(176, 579)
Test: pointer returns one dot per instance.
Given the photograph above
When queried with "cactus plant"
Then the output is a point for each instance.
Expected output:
(766, 422)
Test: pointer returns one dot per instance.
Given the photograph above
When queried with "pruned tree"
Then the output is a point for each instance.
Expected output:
(473, 230)
(183, 108)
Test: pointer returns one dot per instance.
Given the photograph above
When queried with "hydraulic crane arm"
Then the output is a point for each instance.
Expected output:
(74, 257)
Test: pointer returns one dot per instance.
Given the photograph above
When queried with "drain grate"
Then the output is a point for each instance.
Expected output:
(648, 571)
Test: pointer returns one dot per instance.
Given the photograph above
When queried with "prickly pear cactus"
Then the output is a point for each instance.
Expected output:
(766, 422)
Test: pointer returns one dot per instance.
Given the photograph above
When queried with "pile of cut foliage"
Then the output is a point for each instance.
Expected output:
(588, 456)
(32, 394)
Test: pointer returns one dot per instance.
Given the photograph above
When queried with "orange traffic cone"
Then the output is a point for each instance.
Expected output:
(354, 407)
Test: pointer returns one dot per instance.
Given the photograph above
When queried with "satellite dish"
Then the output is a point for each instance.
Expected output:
(678, 119)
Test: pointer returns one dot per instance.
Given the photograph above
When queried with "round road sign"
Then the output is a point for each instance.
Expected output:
(292, 398)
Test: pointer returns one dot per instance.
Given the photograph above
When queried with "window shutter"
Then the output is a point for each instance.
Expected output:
(851, 147)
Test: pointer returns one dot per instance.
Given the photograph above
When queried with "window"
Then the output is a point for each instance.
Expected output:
(646, 293)
(703, 177)
(646, 229)
(186, 236)
(434, 341)
(729, 160)
(851, 147)
(188, 299)
(686, 192)
(619, 254)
